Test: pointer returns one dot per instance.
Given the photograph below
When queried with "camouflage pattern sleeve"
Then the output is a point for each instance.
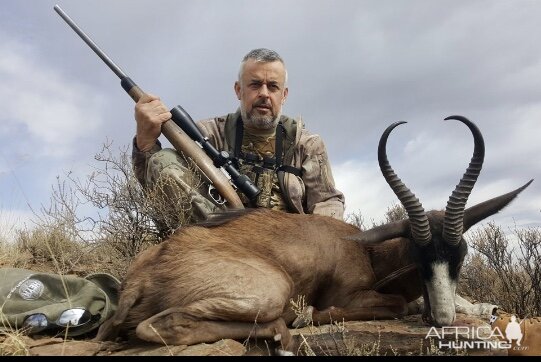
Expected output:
(208, 127)
(140, 160)
(322, 197)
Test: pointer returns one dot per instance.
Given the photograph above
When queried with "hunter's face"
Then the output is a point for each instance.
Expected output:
(262, 92)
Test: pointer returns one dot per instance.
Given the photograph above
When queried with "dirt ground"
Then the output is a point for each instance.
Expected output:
(405, 336)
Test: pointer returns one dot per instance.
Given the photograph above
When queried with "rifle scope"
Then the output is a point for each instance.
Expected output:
(221, 159)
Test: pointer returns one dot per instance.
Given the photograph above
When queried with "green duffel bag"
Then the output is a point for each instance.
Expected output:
(39, 303)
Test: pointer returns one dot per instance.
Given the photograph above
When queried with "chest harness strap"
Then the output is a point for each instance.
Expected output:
(272, 163)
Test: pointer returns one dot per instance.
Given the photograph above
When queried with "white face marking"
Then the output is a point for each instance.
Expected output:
(441, 292)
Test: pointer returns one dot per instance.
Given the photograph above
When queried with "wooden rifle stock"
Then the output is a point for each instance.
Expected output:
(178, 138)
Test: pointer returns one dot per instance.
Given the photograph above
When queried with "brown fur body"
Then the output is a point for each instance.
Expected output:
(245, 272)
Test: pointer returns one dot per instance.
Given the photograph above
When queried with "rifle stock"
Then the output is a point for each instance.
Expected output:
(176, 136)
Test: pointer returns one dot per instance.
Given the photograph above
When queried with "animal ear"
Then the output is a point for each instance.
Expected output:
(383, 232)
(490, 207)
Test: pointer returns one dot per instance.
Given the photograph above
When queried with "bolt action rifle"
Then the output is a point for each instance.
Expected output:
(184, 135)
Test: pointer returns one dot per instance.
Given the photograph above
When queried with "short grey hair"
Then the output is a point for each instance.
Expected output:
(261, 55)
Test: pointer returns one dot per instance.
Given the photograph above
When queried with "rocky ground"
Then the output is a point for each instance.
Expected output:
(391, 337)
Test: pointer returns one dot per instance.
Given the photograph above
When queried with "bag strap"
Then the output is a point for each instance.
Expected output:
(279, 147)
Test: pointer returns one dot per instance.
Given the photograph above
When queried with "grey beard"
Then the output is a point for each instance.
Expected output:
(259, 122)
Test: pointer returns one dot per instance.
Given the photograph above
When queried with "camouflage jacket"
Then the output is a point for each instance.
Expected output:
(312, 192)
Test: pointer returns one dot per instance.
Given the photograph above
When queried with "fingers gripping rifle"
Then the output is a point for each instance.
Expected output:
(186, 138)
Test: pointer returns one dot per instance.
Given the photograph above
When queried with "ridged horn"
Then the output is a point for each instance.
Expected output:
(420, 228)
(453, 222)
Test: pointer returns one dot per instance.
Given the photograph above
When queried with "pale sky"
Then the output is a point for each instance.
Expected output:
(354, 68)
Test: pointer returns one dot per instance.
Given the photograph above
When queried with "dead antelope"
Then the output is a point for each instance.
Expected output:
(235, 278)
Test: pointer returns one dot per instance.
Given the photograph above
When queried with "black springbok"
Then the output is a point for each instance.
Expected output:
(235, 277)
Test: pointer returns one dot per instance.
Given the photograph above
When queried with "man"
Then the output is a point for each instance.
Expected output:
(288, 164)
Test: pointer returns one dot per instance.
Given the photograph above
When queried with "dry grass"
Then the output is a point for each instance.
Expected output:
(13, 344)
(335, 339)
(66, 242)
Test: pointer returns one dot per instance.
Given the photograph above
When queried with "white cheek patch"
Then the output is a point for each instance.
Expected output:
(441, 292)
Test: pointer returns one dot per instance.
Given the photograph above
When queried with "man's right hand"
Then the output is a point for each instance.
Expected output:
(150, 113)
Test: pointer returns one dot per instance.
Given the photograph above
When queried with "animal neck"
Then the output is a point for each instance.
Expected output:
(390, 256)
(395, 269)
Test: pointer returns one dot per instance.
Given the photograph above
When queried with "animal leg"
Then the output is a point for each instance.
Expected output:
(461, 306)
(367, 305)
(110, 328)
(477, 309)
(212, 319)
(416, 306)
(177, 327)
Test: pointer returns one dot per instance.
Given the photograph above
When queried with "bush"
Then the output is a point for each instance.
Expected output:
(396, 212)
(504, 270)
(100, 223)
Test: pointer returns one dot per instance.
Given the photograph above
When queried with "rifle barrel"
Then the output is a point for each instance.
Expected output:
(115, 68)
(178, 138)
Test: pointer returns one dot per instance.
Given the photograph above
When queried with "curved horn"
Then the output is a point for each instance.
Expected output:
(453, 222)
(420, 228)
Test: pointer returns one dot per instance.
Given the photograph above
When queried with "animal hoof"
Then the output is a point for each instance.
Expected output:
(303, 319)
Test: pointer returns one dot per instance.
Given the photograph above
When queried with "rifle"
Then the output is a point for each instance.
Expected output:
(184, 135)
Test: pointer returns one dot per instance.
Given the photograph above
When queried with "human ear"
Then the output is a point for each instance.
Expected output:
(237, 89)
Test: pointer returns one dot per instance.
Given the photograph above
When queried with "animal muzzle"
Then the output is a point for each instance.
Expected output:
(441, 293)
(443, 317)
